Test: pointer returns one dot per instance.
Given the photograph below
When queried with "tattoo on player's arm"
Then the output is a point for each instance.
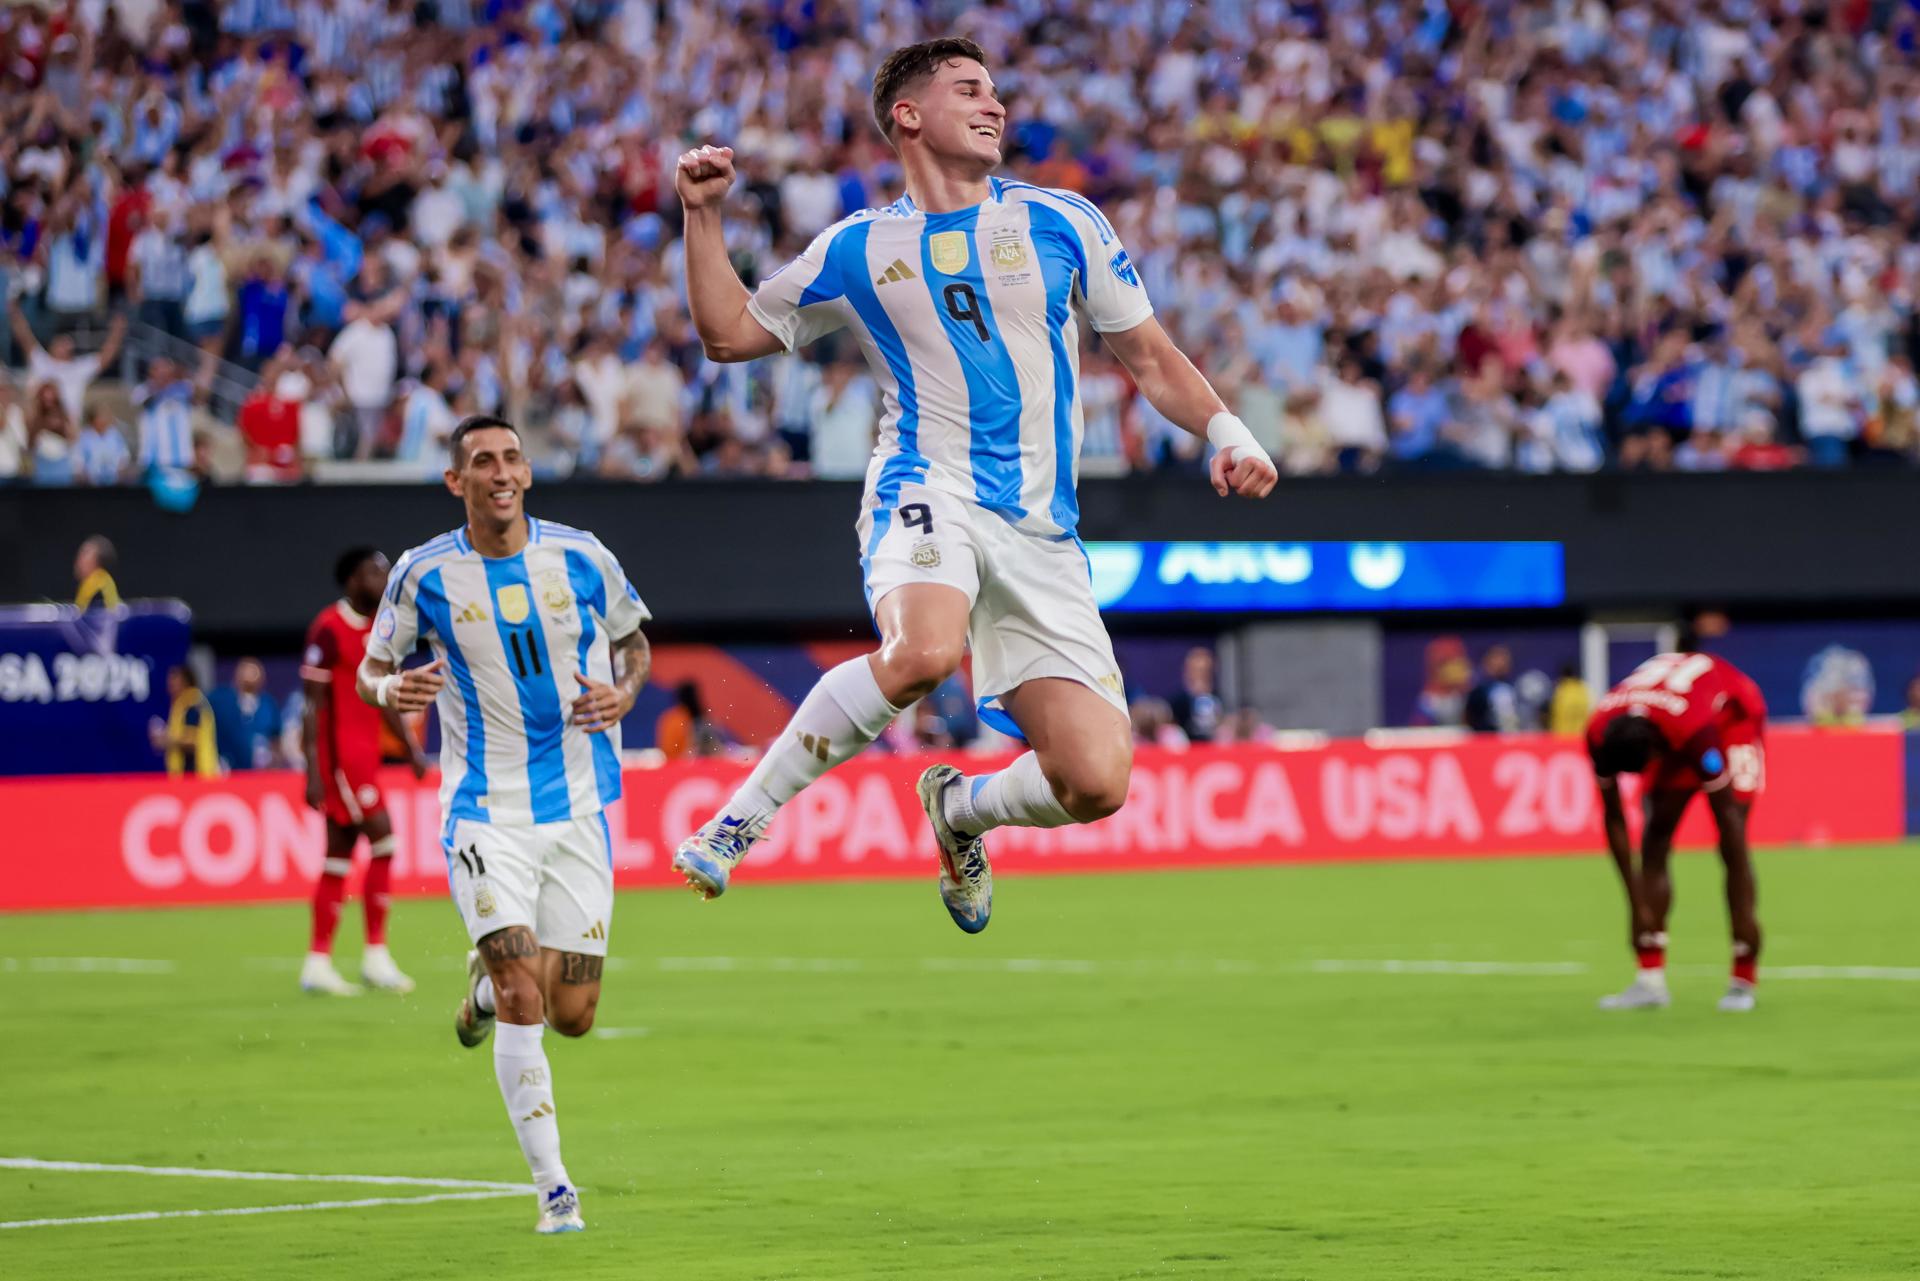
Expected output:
(504, 945)
(636, 661)
(576, 969)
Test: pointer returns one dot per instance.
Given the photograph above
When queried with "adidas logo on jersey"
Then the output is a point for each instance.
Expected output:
(471, 614)
(899, 271)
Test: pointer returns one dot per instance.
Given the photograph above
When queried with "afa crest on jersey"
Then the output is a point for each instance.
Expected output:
(553, 592)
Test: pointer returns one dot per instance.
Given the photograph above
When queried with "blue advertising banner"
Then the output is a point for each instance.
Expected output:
(1252, 577)
(78, 692)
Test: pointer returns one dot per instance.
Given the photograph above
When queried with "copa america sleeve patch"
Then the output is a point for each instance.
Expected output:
(384, 625)
(1123, 269)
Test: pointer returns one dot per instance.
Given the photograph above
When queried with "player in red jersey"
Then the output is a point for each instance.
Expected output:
(343, 761)
(1686, 722)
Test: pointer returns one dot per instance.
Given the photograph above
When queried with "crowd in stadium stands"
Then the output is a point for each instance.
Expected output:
(1531, 234)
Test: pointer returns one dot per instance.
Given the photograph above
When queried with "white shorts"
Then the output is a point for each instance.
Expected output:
(1031, 596)
(555, 878)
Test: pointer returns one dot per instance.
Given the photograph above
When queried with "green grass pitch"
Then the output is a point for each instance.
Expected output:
(1126, 1076)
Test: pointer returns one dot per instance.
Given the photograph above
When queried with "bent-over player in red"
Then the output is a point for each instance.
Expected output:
(342, 736)
(1686, 722)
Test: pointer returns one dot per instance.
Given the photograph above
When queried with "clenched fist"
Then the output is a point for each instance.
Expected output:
(703, 176)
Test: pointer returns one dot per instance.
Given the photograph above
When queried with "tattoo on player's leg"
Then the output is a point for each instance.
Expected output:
(576, 969)
(504, 945)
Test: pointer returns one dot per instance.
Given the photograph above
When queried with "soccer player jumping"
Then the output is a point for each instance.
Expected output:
(526, 616)
(1685, 722)
(342, 737)
(966, 296)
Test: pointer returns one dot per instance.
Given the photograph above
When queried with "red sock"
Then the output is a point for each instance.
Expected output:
(374, 898)
(328, 893)
(1651, 958)
(1746, 969)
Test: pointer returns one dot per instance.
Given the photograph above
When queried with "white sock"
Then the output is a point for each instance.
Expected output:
(526, 1083)
(483, 994)
(838, 718)
(1018, 796)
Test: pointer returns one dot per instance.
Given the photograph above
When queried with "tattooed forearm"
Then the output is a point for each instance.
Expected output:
(636, 661)
(577, 969)
(504, 945)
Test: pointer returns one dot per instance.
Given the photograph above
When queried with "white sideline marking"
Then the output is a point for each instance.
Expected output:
(620, 1033)
(469, 1190)
(256, 1176)
(83, 965)
(1455, 968)
(144, 1215)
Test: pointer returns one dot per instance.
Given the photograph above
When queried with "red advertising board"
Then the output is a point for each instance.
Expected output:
(105, 842)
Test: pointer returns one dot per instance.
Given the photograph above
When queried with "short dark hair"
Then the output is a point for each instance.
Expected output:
(906, 69)
(470, 425)
(350, 562)
(1625, 747)
(103, 550)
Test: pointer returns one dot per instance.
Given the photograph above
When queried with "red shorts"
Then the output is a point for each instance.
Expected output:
(1746, 770)
(352, 792)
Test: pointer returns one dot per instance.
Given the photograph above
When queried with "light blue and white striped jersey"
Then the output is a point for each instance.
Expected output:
(166, 425)
(969, 321)
(512, 632)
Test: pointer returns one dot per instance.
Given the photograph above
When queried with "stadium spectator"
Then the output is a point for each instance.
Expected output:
(1571, 704)
(186, 739)
(165, 401)
(846, 409)
(1196, 707)
(60, 365)
(15, 460)
(1830, 408)
(686, 729)
(246, 719)
(93, 574)
(1493, 705)
(50, 437)
(366, 358)
(100, 454)
(270, 422)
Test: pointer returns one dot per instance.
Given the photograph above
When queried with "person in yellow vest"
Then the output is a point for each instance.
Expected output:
(93, 570)
(188, 741)
(1572, 703)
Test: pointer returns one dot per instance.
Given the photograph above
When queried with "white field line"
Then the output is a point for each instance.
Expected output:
(257, 1176)
(1476, 969)
(361, 1203)
(83, 965)
(621, 1033)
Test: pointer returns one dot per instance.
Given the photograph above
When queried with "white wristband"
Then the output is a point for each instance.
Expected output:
(1224, 432)
(383, 689)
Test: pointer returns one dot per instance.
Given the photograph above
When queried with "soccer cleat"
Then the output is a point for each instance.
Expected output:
(378, 971)
(966, 878)
(1739, 998)
(560, 1212)
(708, 857)
(470, 1023)
(1644, 993)
(318, 977)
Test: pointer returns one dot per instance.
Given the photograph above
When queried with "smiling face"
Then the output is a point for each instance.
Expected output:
(938, 99)
(955, 115)
(492, 475)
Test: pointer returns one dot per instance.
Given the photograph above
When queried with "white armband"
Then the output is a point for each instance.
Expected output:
(1225, 431)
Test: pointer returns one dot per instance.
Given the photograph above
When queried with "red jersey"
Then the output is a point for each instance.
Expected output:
(346, 729)
(1709, 714)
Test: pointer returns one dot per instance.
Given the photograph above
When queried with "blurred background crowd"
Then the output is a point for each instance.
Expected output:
(284, 239)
